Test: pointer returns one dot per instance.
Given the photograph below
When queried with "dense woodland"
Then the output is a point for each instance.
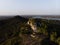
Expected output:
(16, 31)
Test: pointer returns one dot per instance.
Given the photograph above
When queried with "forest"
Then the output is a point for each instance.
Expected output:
(16, 31)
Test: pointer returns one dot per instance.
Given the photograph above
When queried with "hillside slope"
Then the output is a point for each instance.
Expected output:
(16, 31)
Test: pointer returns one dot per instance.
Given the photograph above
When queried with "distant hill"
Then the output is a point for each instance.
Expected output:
(5, 17)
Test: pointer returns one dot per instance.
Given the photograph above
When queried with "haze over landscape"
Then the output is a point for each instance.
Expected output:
(29, 7)
(29, 22)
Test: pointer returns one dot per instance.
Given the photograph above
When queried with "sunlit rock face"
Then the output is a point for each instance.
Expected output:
(32, 23)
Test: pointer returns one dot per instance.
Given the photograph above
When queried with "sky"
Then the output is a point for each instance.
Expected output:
(29, 7)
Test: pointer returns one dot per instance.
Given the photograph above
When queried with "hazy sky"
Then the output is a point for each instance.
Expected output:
(16, 7)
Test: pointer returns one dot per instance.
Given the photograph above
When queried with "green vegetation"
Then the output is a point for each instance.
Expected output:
(16, 31)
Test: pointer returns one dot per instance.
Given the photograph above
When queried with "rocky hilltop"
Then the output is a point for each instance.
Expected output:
(29, 31)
